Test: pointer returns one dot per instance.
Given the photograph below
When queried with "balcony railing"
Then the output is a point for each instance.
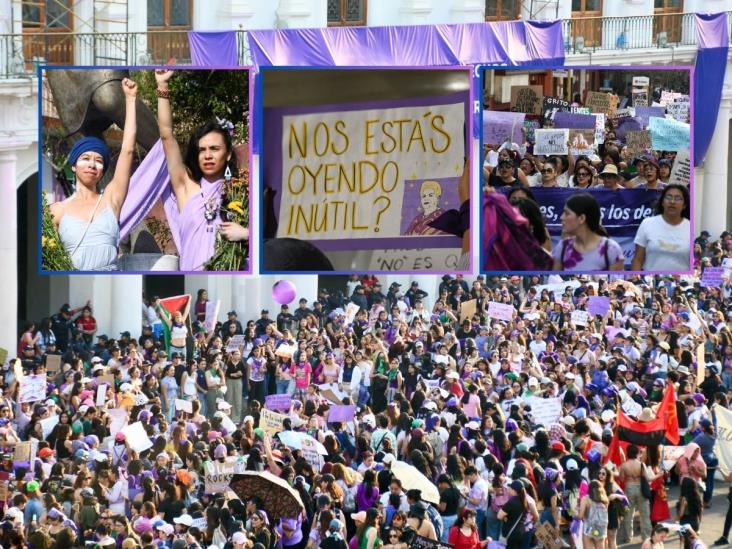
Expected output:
(21, 54)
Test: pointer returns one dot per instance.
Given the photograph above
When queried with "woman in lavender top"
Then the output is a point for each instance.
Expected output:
(586, 246)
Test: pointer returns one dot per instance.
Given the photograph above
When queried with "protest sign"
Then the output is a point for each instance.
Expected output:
(723, 444)
(353, 176)
(227, 424)
(285, 351)
(700, 359)
(581, 142)
(498, 126)
(271, 422)
(119, 420)
(279, 403)
(627, 124)
(638, 142)
(184, 405)
(25, 452)
(341, 413)
(679, 110)
(598, 305)
(309, 449)
(579, 110)
(712, 277)
(236, 342)
(549, 536)
(599, 102)
(551, 141)
(217, 475)
(600, 128)
(140, 399)
(669, 135)
(136, 437)
(441, 259)
(727, 264)
(574, 120)
(622, 213)
(527, 99)
(640, 98)
(670, 455)
(530, 127)
(420, 542)
(53, 364)
(468, 309)
(624, 113)
(32, 388)
(641, 81)
(500, 311)
(3, 355)
(101, 395)
(580, 318)
(48, 424)
(646, 113)
(212, 314)
(545, 411)
(681, 170)
(552, 105)
(4, 491)
(351, 312)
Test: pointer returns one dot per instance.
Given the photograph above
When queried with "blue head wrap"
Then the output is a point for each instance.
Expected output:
(89, 144)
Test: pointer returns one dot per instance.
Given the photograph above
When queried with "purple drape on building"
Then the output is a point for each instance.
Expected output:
(213, 49)
(711, 63)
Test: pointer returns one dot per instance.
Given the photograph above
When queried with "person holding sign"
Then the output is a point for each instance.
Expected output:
(586, 246)
(662, 242)
(200, 178)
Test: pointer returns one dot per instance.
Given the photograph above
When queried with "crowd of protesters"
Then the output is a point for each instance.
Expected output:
(449, 394)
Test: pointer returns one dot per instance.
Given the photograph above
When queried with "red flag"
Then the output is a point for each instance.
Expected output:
(667, 411)
(640, 433)
(175, 303)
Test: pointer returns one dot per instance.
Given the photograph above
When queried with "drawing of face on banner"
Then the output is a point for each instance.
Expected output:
(370, 172)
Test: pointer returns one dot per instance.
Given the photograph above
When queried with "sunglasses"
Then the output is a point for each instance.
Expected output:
(547, 171)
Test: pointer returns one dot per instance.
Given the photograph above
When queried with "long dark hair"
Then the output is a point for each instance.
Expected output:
(587, 205)
(191, 159)
(686, 212)
(690, 490)
(530, 210)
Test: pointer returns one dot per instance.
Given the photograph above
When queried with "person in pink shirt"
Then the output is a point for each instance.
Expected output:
(302, 372)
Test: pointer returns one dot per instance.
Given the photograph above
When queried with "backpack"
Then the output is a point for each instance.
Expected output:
(349, 499)
(596, 520)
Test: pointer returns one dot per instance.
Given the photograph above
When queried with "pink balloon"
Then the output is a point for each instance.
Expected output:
(284, 292)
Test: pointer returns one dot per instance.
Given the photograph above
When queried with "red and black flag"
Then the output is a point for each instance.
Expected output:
(667, 411)
(641, 433)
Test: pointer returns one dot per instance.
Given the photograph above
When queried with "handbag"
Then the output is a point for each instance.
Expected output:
(645, 486)
(503, 540)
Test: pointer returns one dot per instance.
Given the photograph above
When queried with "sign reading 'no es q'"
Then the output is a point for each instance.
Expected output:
(373, 172)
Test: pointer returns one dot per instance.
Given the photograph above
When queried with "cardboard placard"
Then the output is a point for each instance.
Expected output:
(119, 419)
(309, 449)
(217, 475)
(580, 318)
(551, 141)
(107, 379)
(681, 170)
(527, 99)
(669, 135)
(351, 312)
(136, 437)
(679, 110)
(500, 311)
(271, 422)
(285, 351)
(53, 364)
(3, 355)
(468, 309)
(545, 411)
(235, 343)
(638, 142)
(549, 536)
(552, 105)
(605, 103)
(499, 126)
(4, 491)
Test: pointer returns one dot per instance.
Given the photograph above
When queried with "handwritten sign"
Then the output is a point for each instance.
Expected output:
(24, 452)
(598, 305)
(184, 405)
(545, 411)
(605, 103)
(527, 99)
(549, 536)
(640, 98)
(581, 142)
(646, 113)
(309, 449)
(500, 311)
(32, 388)
(364, 172)
(235, 343)
(552, 105)
(641, 81)
(669, 135)
(638, 142)
(681, 170)
(530, 127)
(271, 422)
(499, 126)
(580, 318)
(551, 141)
(420, 542)
(600, 128)
(679, 110)
(279, 403)
(285, 351)
(712, 277)
(217, 475)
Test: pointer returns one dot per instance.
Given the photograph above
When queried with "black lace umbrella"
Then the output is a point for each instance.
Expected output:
(278, 498)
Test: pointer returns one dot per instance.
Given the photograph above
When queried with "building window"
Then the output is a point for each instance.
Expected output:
(668, 18)
(668, 5)
(163, 14)
(501, 10)
(586, 21)
(586, 8)
(346, 13)
(47, 15)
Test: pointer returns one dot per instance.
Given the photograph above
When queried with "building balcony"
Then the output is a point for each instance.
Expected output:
(22, 54)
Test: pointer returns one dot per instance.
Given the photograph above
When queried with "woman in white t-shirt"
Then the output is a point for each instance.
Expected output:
(663, 241)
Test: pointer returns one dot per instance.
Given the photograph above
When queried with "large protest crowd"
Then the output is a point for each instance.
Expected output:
(553, 163)
(501, 411)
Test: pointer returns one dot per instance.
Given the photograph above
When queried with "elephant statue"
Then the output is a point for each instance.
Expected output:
(88, 101)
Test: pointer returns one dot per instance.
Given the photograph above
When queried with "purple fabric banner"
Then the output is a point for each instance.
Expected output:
(574, 120)
(213, 49)
(711, 62)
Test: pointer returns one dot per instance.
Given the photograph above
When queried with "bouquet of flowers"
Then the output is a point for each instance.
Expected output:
(228, 255)
(54, 255)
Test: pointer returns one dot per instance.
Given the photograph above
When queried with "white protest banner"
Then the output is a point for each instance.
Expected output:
(557, 288)
(136, 437)
(681, 170)
(32, 388)
(309, 449)
(545, 411)
(351, 312)
(119, 420)
(500, 311)
(723, 445)
(580, 318)
(668, 135)
(101, 395)
(48, 424)
(212, 314)
(679, 110)
(354, 173)
(184, 405)
(551, 141)
(234, 343)
(271, 422)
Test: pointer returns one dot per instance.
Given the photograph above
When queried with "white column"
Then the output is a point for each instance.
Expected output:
(9, 249)
(714, 197)
(126, 305)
